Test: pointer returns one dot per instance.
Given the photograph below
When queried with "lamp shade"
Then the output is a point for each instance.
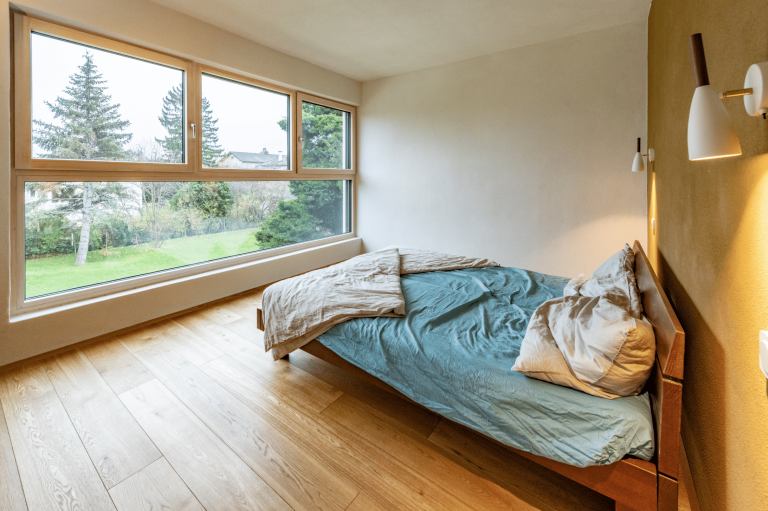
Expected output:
(637, 164)
(710, 131)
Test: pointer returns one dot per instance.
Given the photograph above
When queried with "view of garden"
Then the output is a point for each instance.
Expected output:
(83, 233)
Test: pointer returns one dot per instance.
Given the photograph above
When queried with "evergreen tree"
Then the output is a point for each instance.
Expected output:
(324, 200)
(172, 119)
(317, 209)
(212, 151)
(90, 128)
(322, 129)
(291, 223)
(213, 199)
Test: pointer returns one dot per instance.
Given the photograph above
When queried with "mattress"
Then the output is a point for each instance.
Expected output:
(453, 351)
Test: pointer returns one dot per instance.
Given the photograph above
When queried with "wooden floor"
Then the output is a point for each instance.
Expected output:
(190, 414)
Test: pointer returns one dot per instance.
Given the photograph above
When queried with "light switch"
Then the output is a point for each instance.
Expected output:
(764, 352)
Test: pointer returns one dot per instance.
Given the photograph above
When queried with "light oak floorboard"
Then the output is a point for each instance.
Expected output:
(11, 492)
(414, 417)
(364, 503)
(245, 307)
(189, 345)
(215, 334)
(137, 340)
(246, 328)
(121, 370)
(368, 466)
(474, 491)
(216, 476)
(116, 444)
(537, 485)
(221, 314)
(155, 487)
(301, 385)
(297, 477)
(54, 467)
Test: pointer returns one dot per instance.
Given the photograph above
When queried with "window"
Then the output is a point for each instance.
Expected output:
(326, 136)
(79, 234)
(245, 126)
(133, 167)
(91, 104)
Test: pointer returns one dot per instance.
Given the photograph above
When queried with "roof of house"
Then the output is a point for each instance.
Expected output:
(255, 157)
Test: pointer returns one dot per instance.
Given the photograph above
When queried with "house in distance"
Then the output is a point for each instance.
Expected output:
(262, 160)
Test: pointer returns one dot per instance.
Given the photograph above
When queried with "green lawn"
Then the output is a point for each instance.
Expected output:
(53, 274)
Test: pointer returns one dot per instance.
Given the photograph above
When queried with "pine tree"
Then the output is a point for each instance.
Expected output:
(212, 151)
(90, 128)
(172, 120)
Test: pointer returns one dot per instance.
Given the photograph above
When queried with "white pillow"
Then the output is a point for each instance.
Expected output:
(595, 338)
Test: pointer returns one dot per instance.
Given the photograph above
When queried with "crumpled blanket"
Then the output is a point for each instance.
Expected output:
(299, 309)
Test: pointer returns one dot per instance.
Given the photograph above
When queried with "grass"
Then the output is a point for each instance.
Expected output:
(59, 273)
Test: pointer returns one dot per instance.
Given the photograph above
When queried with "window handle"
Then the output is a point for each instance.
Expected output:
(193, 131)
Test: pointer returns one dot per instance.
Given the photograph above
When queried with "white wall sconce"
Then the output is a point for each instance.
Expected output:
(710, 131)
(637, 164)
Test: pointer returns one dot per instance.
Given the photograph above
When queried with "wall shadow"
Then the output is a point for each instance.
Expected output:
(701, 399)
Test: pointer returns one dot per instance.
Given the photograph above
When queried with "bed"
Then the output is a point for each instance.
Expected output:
(452, 353)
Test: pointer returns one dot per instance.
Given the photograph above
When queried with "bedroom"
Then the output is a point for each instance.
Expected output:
(498, 130)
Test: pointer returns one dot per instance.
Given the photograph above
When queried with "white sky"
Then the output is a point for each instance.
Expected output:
(247, 116)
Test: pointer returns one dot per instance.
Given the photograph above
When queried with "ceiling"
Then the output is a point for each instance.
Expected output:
(369, 39)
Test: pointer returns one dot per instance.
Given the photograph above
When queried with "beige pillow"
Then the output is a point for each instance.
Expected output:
(595, 338)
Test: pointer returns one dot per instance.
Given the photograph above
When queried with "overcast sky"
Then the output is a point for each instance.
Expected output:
(247, 116)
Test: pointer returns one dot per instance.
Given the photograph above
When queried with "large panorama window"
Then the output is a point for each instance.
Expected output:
(131, 164)
(78, 234)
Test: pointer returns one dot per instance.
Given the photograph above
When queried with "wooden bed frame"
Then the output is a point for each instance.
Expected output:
(634, 484)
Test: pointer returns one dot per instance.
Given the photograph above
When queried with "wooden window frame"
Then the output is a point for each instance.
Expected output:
(24, 27)
(261, 85)
(27, 169)
(300, 98)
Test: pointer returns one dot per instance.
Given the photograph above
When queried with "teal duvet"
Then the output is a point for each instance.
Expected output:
(453, 352)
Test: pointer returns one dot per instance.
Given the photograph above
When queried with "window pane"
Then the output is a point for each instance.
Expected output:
(79, 234)
(91, 104)
(325, 134)
(244, 127)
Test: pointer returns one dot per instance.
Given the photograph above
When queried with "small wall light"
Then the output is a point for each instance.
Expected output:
(637, 164)
(710, 131)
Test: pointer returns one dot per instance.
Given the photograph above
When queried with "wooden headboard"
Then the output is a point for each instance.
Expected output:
(666, 382)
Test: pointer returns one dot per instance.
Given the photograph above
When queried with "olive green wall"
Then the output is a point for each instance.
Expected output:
(711, 244)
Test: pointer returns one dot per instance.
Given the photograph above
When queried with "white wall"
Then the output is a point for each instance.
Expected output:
(153, 26)
(522, 156)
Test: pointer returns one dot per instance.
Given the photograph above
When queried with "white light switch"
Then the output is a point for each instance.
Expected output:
(764, 352)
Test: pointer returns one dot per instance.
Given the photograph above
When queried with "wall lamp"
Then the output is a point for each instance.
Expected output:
(637, 164)
(710, 131)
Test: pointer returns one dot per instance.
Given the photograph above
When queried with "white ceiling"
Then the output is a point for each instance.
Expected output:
(369, 39)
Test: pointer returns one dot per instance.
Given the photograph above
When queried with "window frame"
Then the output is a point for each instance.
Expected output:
(26, 169)
(300, 98)
(24, 27)
(234, 77)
